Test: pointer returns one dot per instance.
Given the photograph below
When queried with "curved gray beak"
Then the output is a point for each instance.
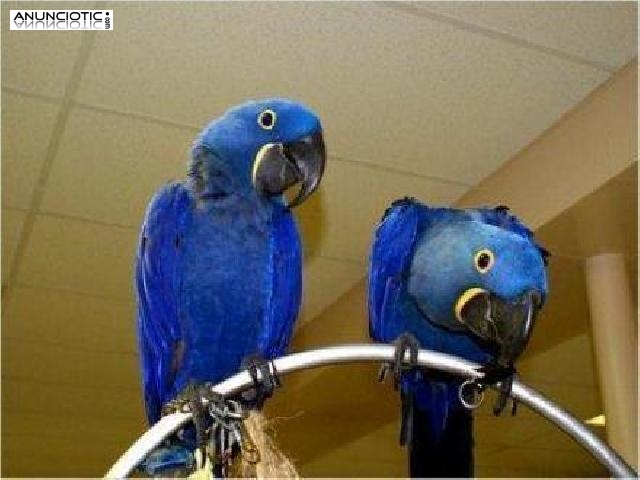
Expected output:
(279, 166)
(507, 324)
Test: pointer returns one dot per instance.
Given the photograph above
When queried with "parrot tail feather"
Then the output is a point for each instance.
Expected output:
(406, 421)
(441, 453)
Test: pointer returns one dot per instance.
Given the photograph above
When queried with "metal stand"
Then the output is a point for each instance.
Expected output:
(381, 353)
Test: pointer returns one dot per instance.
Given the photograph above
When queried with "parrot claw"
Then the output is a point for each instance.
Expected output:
(404, 343)
(406, 418)
(504, 376)
(264, 382)
(199, 397)
(219, 428)
(504, 391)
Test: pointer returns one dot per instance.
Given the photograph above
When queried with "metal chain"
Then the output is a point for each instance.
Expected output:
(227, 428)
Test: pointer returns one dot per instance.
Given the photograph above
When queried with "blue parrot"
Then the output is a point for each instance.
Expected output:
(218, 267)
(463, 282)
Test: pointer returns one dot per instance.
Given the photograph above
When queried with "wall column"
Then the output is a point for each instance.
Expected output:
(614, 324)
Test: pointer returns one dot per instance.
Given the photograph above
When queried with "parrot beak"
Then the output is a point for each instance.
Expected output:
(505, 323)
(279, 166)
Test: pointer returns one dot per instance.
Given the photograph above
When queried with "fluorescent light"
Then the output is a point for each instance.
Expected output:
(598, 421)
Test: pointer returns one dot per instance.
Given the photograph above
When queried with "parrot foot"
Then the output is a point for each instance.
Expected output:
(265, 380)
(220, 433)
(405, 343)
(497, 374)
(196, 398)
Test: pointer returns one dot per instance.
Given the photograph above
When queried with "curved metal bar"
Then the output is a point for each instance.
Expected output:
(380, 353)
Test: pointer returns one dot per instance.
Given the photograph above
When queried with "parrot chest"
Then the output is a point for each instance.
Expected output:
(225, 293)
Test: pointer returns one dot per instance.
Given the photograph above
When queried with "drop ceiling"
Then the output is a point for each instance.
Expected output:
(420, 99)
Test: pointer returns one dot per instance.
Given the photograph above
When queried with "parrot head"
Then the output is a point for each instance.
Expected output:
(483, 278)
(264, 146)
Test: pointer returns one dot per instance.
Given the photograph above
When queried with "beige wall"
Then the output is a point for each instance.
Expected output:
(592, 143)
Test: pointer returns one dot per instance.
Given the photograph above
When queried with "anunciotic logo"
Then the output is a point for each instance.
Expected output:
(61, 19)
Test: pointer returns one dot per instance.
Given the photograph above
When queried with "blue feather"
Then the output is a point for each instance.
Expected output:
(218, 270)
(158, 285)
(422, 259)
(209, 293)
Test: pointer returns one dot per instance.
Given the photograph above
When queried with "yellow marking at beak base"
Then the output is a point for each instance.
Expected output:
(463, 299)
(259, 157)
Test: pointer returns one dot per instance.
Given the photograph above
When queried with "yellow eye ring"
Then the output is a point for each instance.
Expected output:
(267, 119)
(484, 260)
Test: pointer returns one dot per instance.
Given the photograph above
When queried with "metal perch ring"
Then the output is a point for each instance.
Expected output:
(381, 353)
(477, 399)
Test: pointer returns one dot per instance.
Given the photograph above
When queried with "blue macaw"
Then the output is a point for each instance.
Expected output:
(463, 282)
(218, 268)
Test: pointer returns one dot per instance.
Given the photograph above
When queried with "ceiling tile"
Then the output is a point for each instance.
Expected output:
(99, 248)
(74, 400)
(396, 93)
(153, 154)
(108, 166)
(38, 61)
(103, 429)
(325, 280)
(12, 222)
(27, 125)
(339, 220)
(604, 32)
(90, 458)
(33, 361)
(66, 447)
(69, 320)
(79, 256)
(399, 91)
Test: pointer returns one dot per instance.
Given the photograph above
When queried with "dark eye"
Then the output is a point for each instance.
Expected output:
(484, 260)
(267, 119)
